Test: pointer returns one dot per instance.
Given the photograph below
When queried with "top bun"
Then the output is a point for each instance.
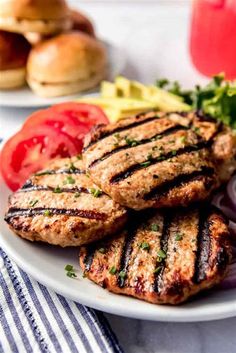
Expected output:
(81, 23)
(68, 63)
(42, 16)
(14, 50)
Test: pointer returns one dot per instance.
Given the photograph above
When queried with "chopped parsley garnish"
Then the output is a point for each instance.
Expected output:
(57, 190)
(131, 142)
(102, 250)
(161, 254)
(79, 156)
(69, 180)
(77, 194)
(113, 270)
(157, 270)
(145, 246)
(155, 227)
(33, 202)
(44, 172)
(72, 167)
(145, 164)
(87, 175)
(70, 271)
(196, 129)
(47, 213)
(174, 152)
(149, 157)
(95, 192)
(122, 274)
(182, 139)
(178, 237)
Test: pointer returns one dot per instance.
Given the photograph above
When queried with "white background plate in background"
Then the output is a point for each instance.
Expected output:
(46, 264)
(24, 97)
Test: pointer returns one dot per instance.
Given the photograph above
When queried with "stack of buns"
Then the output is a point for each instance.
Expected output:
(49, 45)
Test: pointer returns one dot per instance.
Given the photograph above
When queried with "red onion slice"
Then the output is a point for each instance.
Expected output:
(220, 202)
(231, 191)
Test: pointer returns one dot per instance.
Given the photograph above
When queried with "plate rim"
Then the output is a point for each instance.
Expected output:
(167, 313)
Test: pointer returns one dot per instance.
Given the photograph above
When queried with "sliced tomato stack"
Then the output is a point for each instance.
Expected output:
(50, 133)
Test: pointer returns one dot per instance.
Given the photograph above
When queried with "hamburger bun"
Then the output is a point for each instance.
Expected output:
(68, 63)
(14, 51)
(81, 23)
(41, 16)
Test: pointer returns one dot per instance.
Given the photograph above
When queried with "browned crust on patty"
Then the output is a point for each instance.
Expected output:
(165, 259)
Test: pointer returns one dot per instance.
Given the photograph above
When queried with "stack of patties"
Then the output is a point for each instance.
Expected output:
(145, 192)
(66, 57)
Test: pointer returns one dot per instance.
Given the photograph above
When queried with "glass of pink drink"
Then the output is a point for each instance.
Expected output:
(213, 37)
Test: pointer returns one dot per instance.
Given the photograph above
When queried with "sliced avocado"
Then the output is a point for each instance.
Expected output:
(108, 90)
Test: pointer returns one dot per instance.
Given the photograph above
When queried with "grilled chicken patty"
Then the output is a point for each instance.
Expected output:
(61, 206)
(160, 159)
(165, 258)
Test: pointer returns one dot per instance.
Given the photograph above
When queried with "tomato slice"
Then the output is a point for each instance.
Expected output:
(75, 119)
(28, 150)
(87, 114)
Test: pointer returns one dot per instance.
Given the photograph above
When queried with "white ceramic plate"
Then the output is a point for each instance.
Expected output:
(46, 264)
(25, 98)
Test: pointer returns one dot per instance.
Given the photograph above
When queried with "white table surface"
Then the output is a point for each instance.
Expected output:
(153, 35)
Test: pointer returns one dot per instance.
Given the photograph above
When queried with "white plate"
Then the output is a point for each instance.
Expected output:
(46, 264)
(24, 97)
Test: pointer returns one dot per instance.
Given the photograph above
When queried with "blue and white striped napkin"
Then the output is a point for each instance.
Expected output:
(35, 319)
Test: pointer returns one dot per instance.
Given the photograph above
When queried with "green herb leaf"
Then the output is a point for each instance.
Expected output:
(69, 267)
(113, 270)
(178, 237)
(95, 192)
(70, 271)
(161, 254)
(145, 164)
(32, 203)
(47, 213)
(131, 142)
(122, 274)
(77, 194)
(79, 156)
(69, 180)
(102, 250)
(57, 190)
(157, 270)
(145, 246)
(155, 227)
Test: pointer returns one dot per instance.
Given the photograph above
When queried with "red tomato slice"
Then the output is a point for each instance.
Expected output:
(75, 119)
(28, 150)
(87, 114)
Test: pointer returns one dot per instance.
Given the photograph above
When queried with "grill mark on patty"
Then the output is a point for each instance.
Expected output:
(104, 134)
(125, 257)
(31, 187)
(164, 157)
(160, 135)
(61, 171)
(163, 246)
(180, 180)
(88, 259)
(31, 212)
(203, 247)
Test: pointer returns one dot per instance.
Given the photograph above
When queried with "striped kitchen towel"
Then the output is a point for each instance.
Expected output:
(35, 319)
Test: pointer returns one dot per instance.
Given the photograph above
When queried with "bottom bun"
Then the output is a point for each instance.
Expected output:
(12, 24)
(65, 88)
(13, 78)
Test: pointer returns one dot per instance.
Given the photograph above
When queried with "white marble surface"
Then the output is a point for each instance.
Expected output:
(153, 35)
